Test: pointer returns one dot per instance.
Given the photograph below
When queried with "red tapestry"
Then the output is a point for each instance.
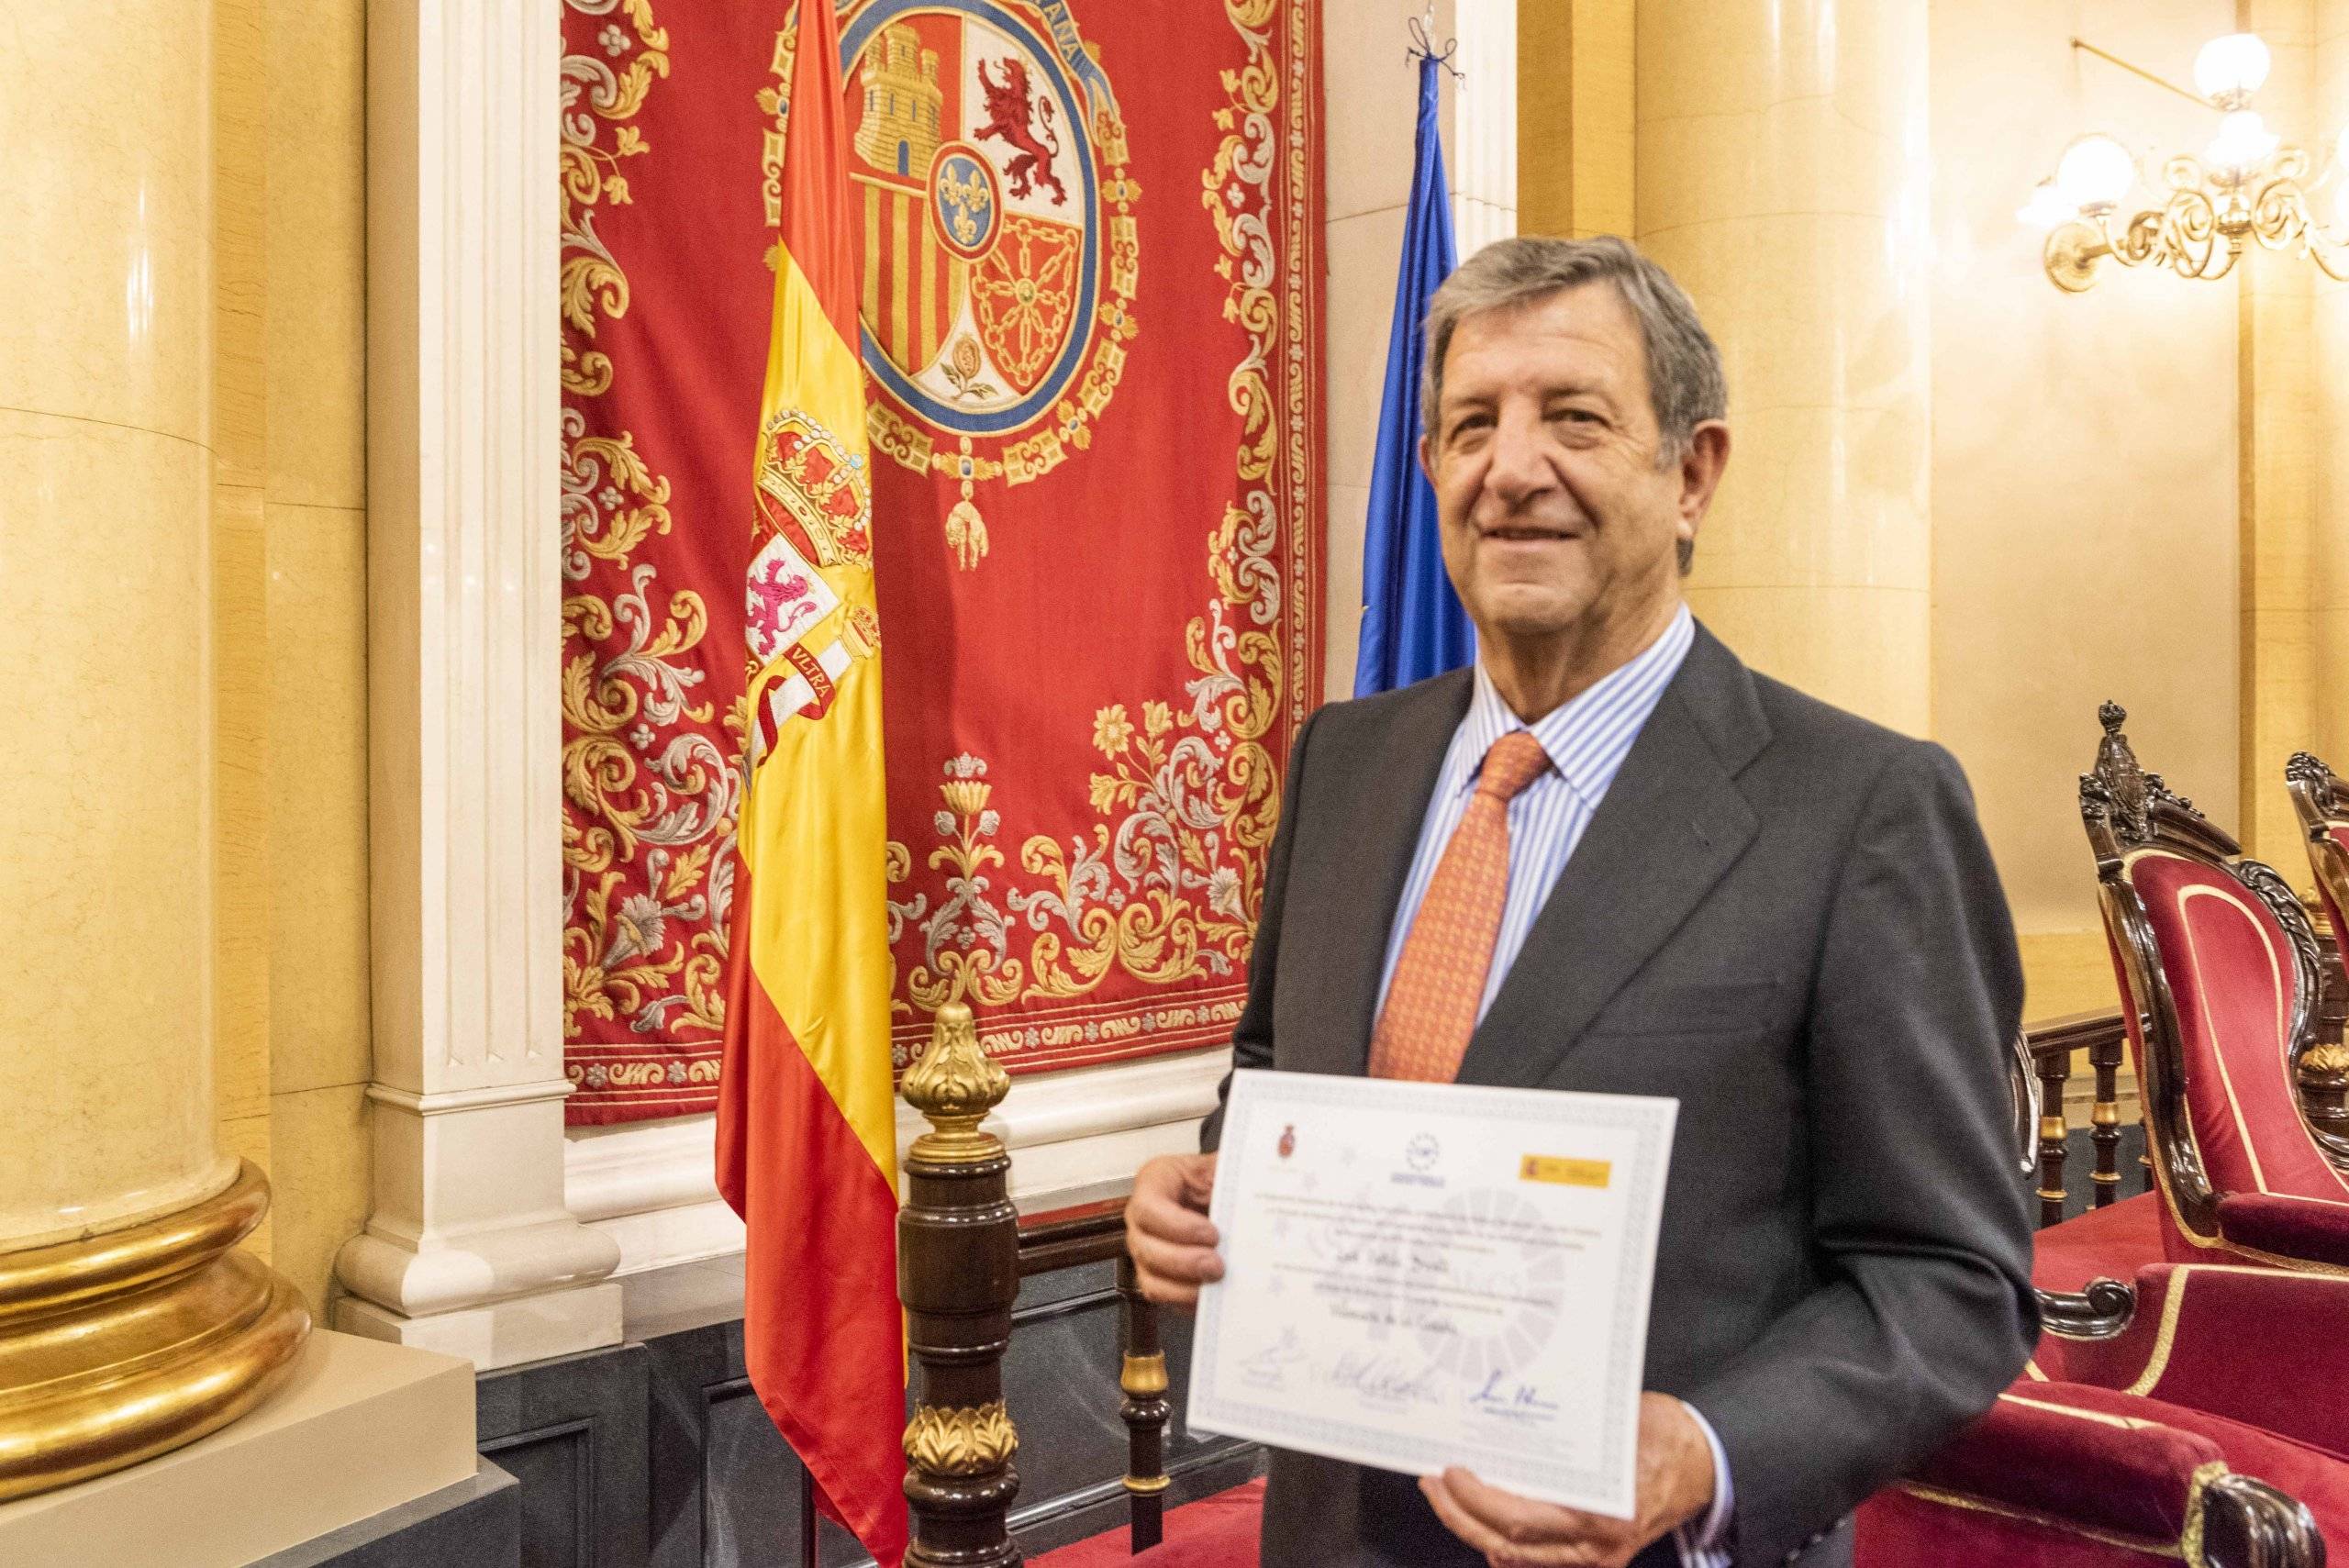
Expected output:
(1091, 335)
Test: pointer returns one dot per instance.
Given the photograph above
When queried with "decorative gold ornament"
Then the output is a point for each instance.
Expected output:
(2247, 187)
(1143, 1376)
(959, 1440)
(118, 1347)
(966, 533)
(954, 1086)
(2325, 1059)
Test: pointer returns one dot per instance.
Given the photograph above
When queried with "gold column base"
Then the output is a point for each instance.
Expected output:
(119, 1346)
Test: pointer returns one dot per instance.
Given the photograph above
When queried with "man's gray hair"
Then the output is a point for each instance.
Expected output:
(1685, 382)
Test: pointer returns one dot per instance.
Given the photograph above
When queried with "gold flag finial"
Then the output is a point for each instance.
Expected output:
(954, 1086)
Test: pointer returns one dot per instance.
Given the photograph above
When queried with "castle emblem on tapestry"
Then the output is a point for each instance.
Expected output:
(1001, 251)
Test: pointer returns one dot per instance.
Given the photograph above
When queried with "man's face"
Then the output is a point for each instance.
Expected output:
(1544, 467)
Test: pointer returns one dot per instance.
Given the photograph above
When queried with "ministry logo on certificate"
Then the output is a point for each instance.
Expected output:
(1418, 1275)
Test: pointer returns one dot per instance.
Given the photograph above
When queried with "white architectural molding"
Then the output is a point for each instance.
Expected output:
(1481, 154)
(1075, 1137)
(468, 1249)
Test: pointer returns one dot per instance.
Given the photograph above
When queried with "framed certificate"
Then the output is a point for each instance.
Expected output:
(1418, 1275)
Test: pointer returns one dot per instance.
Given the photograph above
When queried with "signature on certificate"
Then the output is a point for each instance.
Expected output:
(1502, 1395)
(1268, 1368)
(1384, 1378)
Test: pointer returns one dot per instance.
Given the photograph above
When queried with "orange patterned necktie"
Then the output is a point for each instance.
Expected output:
(1438, 980)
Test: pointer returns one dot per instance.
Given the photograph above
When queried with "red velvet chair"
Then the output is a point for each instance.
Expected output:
(2061, 1475)
(2217, 959)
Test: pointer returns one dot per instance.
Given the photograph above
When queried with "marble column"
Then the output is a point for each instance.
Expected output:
(2278, 372)
(470, 1248)
(2330, 438)
(110, 1175)
(1783, 178)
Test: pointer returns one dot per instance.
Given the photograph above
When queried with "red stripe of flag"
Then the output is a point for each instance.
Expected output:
(810, 1343)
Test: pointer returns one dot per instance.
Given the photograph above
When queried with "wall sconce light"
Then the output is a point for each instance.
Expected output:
(2246, 186)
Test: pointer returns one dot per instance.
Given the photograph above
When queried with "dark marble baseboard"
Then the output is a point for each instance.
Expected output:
(474, 1524)
(726, 1492)
(571, 1431)
(656, 1454)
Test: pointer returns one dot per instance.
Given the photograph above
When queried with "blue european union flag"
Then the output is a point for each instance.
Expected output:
(1412, 625)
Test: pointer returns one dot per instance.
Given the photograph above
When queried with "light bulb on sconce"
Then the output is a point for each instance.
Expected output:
(2095, 172)
(2231, 68)
(2047, 207)
(2248, 187)
(2242, 145)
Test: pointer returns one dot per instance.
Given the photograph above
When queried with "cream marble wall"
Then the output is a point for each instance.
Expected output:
(106, 430)
(1575, 86)
(1371, 96)
(2084, 483)
(2277, 377)
(241, 849)
(1781, 177)
(2329, 314)
(317, 641)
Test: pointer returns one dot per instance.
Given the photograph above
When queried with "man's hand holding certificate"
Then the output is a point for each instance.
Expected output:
(1449, 1282)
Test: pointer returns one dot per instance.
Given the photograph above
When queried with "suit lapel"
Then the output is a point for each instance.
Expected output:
(1672, 824)
(1384, 800)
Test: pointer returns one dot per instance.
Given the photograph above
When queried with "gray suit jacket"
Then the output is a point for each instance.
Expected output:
(1784, 917)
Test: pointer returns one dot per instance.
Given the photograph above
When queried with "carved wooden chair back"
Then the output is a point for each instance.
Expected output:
(2216, 955)
(2323, 803)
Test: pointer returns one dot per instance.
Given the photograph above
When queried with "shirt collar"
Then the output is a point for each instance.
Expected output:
(1588, 736)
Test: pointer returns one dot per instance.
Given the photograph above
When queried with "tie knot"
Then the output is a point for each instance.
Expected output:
(1516, 760)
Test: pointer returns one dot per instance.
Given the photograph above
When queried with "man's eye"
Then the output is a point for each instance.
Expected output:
(1574, 415)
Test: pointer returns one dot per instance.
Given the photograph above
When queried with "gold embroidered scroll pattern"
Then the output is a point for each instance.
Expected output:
(650, 796)
(1168, 888)
(595, 96)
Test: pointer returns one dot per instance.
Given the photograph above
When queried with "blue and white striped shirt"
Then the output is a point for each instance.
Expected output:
(1587, 739)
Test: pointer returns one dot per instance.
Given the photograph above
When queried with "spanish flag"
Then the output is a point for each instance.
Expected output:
(807, 1150)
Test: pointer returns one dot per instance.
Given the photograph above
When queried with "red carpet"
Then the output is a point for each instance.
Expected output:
(1218, 1532)
(2112, 1243)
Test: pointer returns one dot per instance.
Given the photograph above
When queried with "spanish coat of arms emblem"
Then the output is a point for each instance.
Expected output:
(1001, 257)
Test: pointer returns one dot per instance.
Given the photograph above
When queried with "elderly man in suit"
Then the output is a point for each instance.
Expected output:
(1611, 858)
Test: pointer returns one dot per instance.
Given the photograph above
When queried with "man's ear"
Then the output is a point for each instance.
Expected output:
(1701, 467)
(1427, 465)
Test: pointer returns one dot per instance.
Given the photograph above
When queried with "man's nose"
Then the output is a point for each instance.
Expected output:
(1521, 463)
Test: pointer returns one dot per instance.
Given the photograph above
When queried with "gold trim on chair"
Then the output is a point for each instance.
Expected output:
(2187, 1548)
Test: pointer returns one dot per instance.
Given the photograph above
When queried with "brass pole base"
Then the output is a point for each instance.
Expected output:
(118, 1347)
